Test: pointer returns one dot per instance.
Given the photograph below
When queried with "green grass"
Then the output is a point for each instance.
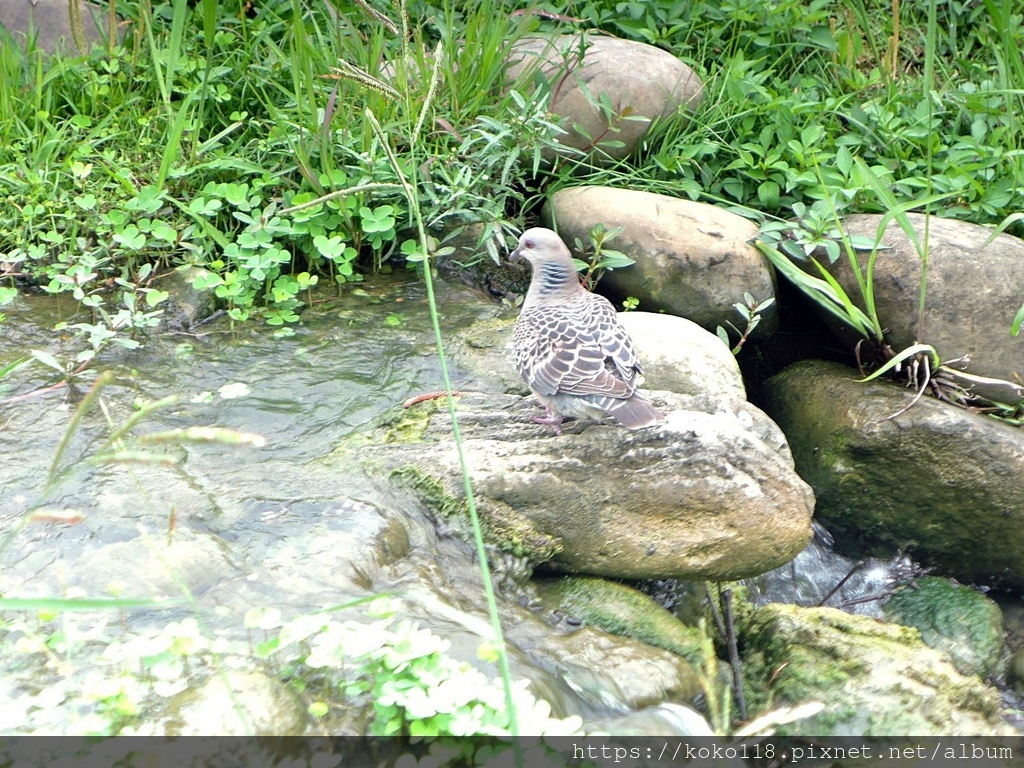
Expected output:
(793, 88)
(232, 140)
(229, 141)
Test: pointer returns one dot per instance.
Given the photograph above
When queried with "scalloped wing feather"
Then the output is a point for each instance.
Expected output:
(576, 348)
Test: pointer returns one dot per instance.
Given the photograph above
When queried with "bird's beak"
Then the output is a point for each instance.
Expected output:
(516, 255)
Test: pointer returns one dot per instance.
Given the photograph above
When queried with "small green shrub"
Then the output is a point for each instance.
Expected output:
(415, 688)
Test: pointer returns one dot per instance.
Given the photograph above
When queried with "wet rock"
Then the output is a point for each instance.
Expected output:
(57, 24)
(875, 679)
(186, 305)
(955, 619)
(640, 83)
(973, 293)
(692, 259)
(629, 672)
(152, 567)
(943, 483)
(485, 350)
(701, 496)
(250, 703)
(304, 545)
(622, 610)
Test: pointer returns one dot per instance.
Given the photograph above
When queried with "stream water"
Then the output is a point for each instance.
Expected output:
(233, 527)
(285, 526)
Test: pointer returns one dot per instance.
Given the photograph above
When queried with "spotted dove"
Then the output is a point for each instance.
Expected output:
(569, 346)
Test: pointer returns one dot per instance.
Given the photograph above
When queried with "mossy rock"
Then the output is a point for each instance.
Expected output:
(502, 526)
(398, 425)
(622, 610)
(942, 483)
(955, 619)
(874, 678)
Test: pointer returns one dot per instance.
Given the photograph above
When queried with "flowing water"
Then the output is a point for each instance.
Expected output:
(230, 527)
(288, 526)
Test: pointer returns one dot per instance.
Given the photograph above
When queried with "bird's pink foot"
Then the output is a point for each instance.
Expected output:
(551, 418)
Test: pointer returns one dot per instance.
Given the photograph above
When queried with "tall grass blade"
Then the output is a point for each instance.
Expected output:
(146, 18)
(11, 367)
(830, 297)
(172, 140)
(1003, 226)
(209, 22)
(94, 392)
(179, 15)
(931, 36)
(485, 572)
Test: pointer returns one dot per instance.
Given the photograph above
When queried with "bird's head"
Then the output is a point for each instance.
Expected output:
(541, 246)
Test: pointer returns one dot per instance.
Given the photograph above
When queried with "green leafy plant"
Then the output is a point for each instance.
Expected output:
(601, 257)
(135, 670)
(477, 181)
(750, 311)
(416, 689)
(193, 144)
(787, 245)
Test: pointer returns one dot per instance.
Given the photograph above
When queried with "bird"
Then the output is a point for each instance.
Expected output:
(569, 346)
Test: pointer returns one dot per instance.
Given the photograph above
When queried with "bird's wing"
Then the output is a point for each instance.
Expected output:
(562, 351)
(614, 340)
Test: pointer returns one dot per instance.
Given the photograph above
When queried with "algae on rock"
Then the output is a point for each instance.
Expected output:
(875, 679)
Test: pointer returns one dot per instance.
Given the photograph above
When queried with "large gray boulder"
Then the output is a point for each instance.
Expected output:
(972, 292)
(941, 482)
(680, 356)
(702, 496)
(709, 494)
(608, 90)
(692, 259)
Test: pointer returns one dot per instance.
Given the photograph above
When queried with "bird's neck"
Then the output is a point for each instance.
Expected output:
(553, 278)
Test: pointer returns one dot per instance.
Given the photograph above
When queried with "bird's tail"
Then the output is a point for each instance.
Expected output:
(636, 413)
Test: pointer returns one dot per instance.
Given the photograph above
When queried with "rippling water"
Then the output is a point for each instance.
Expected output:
(230, 527)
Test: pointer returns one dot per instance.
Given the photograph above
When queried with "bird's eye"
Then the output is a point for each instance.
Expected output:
(528, 244)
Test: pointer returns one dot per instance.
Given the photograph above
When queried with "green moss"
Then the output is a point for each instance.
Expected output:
(516, 534)
(792, 672)
(431, 491)
(622, 610)
(953, 618)
(502, 526)
(399, 425)
(874, 678)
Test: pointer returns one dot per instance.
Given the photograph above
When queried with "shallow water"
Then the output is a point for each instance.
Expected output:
(343, 367)
(228, 527)
(290, 526)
